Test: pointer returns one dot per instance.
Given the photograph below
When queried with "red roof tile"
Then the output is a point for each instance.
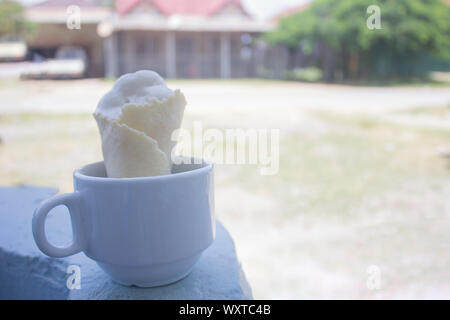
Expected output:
(182, 7)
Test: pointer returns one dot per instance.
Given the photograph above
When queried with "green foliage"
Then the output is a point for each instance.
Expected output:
(409, 29)
(308, 74)
(12, 20)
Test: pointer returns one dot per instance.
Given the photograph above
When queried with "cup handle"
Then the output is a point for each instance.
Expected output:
(73, 202)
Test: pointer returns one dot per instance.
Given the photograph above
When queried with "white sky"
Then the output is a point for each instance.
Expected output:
(261, 9)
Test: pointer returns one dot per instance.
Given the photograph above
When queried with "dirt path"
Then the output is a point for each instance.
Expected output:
(80, 96)
(362, 197)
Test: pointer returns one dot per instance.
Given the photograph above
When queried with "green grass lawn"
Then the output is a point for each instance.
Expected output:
(436, 111)
(352, 190)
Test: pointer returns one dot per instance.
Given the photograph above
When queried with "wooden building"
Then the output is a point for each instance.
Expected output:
(177, 38)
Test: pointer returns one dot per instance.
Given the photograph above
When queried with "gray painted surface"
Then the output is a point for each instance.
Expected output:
(26, 273)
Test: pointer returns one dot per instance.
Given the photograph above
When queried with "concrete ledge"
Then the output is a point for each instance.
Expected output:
(26, 273)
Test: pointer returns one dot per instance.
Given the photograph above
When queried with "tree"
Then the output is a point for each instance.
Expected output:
(409, 30)
(12, 20)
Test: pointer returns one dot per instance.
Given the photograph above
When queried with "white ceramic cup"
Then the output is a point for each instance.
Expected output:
(145, 231)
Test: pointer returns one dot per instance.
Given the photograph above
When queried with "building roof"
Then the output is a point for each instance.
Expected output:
(55, 11)
(183, 15)
(66, 3)
(180, 7)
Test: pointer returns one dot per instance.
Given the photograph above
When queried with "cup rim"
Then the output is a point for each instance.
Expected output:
(207, 166)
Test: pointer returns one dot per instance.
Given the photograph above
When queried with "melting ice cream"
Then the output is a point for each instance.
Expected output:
(136, 119)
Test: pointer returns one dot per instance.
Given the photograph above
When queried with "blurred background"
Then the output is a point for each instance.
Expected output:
(360, 90)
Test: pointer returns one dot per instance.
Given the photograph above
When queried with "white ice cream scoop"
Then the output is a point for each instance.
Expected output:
(136, 119)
